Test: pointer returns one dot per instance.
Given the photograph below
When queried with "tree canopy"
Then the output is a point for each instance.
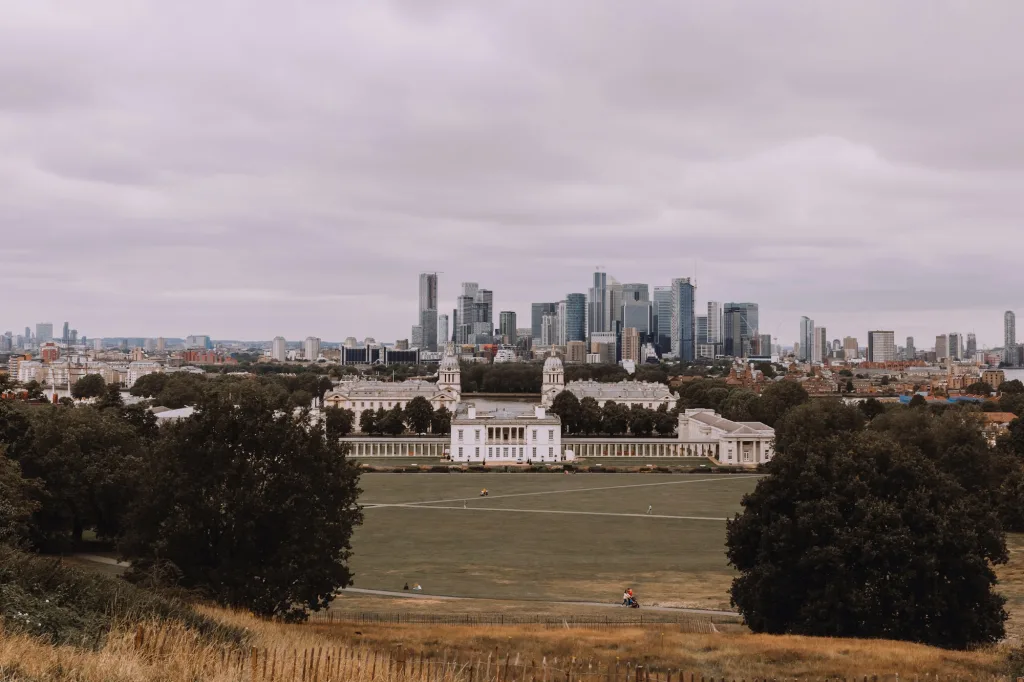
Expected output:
(859, 535)
(249, 504)
(89, 386)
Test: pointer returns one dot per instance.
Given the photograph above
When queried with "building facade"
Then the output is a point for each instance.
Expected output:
(740, 325)
(362, 395)
(278, 349)
(806, 340)
(881, 346)
(311, 348)
(631, 344)
(1010, 338)
(684, 331)
(500, 437)
(746, 444)
(507, 326)
(575, 317)
(597, 305)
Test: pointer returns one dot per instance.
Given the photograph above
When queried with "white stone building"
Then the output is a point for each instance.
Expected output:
(360, 395)
(736, 443)
(502, 437)
(647, 394)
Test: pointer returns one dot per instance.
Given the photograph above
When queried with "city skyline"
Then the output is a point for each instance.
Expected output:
(139, 205)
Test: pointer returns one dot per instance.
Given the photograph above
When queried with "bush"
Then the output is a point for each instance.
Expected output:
(64, 605)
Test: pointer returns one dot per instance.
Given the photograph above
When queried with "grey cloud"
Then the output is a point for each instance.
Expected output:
(250, 169)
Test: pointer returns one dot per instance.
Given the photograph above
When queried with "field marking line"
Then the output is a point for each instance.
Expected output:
(581, 513)
(726, 477)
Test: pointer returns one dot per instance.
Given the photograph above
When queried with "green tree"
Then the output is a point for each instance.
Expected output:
(741, 406)
(614, 418)
(845, 373)
(149, 385)
(860, 536)
(1012, 402)
(849, 386)
(918, 401)
(249, 504)
(590, 416)
(418, 414)
(871, 408)
(393, 421)
(1013, 386)
(567, 406)
(368, 422)
(111, 397)
(641, 421)
(810, 423)
(767, 368)
(33, 390)
(17, 502)
(664, 420)
(778, 398)
(441, 422)
(338, 422)
(979, 388)
(89, 386)
(86, 461)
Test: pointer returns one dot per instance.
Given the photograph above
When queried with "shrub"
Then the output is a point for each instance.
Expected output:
(64, 605)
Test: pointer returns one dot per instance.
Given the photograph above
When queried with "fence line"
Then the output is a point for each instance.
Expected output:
(367, 664)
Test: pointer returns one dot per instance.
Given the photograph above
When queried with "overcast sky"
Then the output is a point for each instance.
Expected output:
(251, 168)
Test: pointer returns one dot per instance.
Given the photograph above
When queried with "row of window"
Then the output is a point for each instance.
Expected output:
(476, 435)
(504, 452)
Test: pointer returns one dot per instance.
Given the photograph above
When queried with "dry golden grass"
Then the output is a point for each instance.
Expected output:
(368, 653)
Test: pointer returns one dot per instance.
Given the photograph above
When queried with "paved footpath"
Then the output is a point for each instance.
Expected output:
(420, 595)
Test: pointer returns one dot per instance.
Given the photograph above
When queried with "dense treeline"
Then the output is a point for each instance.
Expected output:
(880, 521)
(178, 389)
(242, 488)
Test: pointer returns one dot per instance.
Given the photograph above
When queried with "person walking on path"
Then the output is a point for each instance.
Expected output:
(649, 508)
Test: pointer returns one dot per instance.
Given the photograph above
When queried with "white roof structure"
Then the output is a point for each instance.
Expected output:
(180, 413)
(727, 426)
(388, 390)
(622, 391)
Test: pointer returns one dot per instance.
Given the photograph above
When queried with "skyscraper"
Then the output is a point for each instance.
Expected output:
(65, 335)
(910, 351)
(597, 305)
(739, 327)
(44, 332)
(701, 323)
(715, 322)
(1009, 338)
(575, 317)
(972, 346)
(819, 351)
(941, 347)
(684, 330)
(851, 348)
(442, 330)
(806, 339)
(663, 318)
(881, 346)
(311, 350)
(427, 319)
(955, 346)
(613, 312)
(277, 349)
(631, 344)
(537, 313)
(548, 328)
(466, 312)
(507, 326)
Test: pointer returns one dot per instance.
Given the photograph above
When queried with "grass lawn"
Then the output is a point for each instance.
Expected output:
(492, 550)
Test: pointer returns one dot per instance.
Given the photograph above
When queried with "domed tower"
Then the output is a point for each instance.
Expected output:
(554, 379)
(449, 374)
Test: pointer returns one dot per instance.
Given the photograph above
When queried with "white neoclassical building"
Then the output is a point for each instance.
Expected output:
(647, 394)
(736, 443)
(503, 437)
(360, 394)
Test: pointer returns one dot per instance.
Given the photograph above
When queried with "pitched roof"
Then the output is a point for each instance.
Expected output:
(622, 390)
